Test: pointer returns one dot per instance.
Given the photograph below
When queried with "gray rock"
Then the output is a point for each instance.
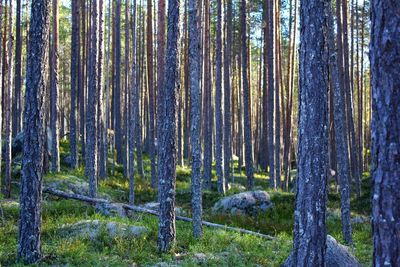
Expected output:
(337, 255)
(73, 185)
(250, 203)
(360, 220)
(236, 186)
(67, 160)
(95, 228)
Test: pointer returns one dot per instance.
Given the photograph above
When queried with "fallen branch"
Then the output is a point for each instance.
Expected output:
(90, 200)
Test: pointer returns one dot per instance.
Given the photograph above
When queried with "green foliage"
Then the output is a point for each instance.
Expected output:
(216, 248)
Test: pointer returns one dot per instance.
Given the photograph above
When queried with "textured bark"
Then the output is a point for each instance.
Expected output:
(91, 115)
(227, 93)
(207, 161)
(150, 81)
(54, 87)
(101, 118)
(246, 98)
(385, 58)
(29, 249)
(278, 85)
(1, 72)
(311, 189)
(126, 91)
(218, 102)
(270, 93)
(75, 66)
(8, 102)
(132, 117)
(167, 143)
(82, 81)
(117, 89)
(341, 138)
(16, 111)
(195, 114)
(160, 60)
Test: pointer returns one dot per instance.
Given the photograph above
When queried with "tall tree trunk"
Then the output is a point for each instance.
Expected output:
(82, 86)
(271, 85)
(1, 72)
(341, 138)
(117, 91)
(218, 102)
(310, 234)
(8, 103)
(91, 115)
(151, 92)
(101, 123)
(29, 248)
(385, 57)
(55, 153)
(207, 160)
(227, 93)
(75, 67)
(195, 114)
(16, 111)
(246, 99)
(160, 61)
(277, 133)
(132, 110)
(126, 90)
(167, 144)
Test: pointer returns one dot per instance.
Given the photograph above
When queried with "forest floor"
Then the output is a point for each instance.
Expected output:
(216, 248)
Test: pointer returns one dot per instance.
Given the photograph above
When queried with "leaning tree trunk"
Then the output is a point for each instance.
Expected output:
(55, 153)
(195, 114)
(311, 189)
(246, 99)
(385, 58)
(91, 115)
(29, 249)
(167, 143)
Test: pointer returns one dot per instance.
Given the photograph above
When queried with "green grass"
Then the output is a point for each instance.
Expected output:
(222, 248)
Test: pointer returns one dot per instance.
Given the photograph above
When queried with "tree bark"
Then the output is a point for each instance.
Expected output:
(16, 118)
(91, 115)
(385, 57)
(167, 144)
(246, 101)
(8, 104)
(75, 66)
(29, 249)
(195, 114)
(55, 153)
(311, 189)
(341, 138)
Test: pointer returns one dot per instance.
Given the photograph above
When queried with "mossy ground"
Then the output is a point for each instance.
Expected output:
(222, 248)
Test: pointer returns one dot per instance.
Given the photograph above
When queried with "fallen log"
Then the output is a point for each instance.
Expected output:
(90, 200)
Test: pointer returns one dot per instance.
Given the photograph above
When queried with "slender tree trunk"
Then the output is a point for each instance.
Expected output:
(117, 91)
(218, 102)
(8, 103)
(227, 93)
(132, 114)
(271, 83)
(75, 67)
(29, 248)
(195, 114)
(246, 99)
(167, 144)
(207, 161)
(277, 133)
(341, 138)
(91, 115)
(385, 57)
(310, 234)
(1, 72)
(82, 80)
(151, 92)
(126, 90)
(16, 111)
(55, 153)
